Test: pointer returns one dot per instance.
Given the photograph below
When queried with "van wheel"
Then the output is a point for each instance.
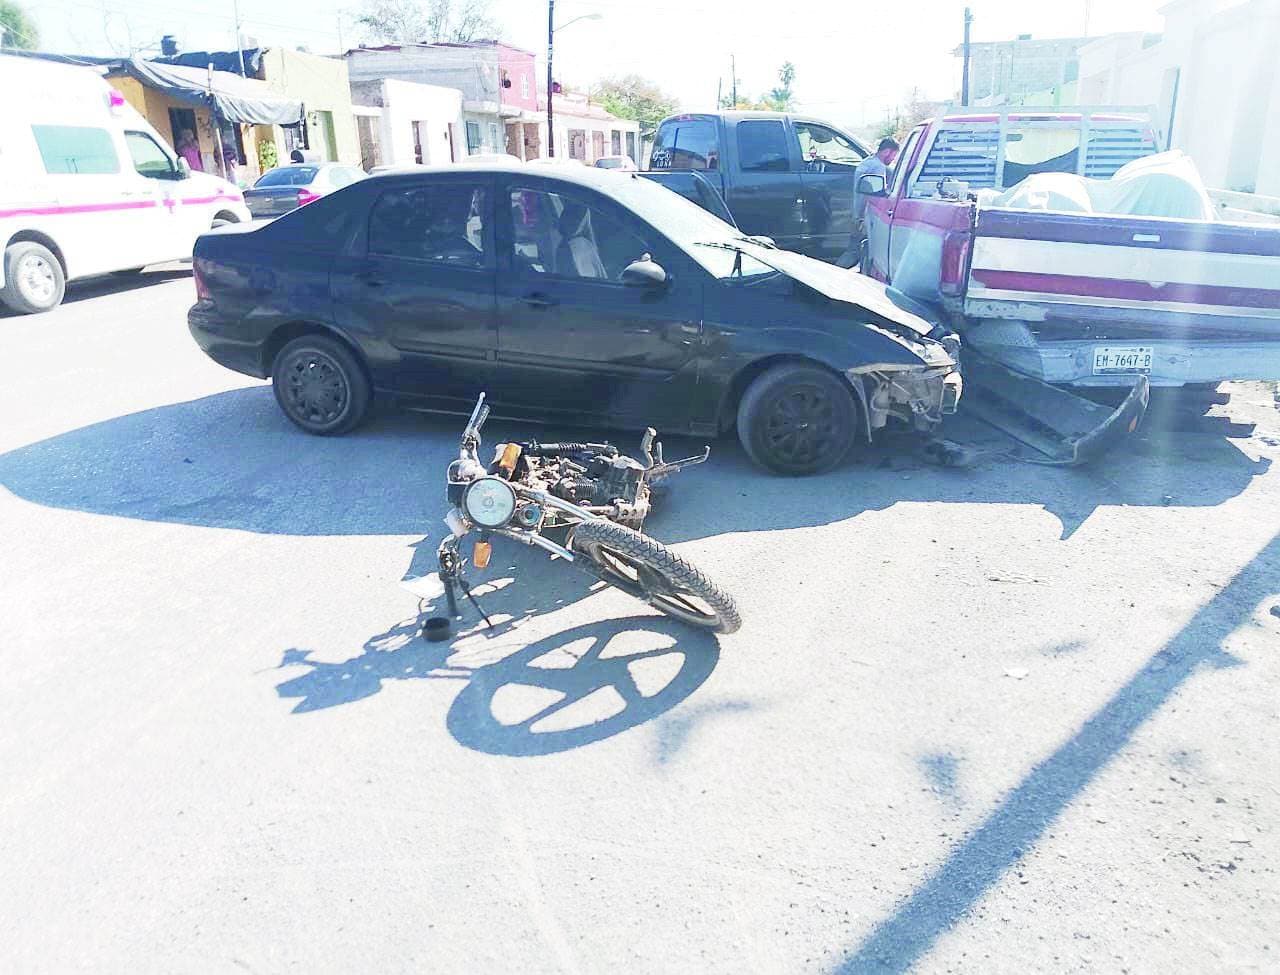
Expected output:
(33, 278)
(320, 385)
(797, 420)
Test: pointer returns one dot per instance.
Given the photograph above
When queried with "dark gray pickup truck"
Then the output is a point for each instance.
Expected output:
(783, 176)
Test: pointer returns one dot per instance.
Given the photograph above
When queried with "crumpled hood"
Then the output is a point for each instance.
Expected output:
(841, 284)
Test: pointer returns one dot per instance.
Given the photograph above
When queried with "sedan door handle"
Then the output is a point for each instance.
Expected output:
(540, 300)
(371, 280)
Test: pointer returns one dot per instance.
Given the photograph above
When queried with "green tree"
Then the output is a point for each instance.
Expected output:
(780, 99)
(634, 97)
(429, 21)
(17, 29)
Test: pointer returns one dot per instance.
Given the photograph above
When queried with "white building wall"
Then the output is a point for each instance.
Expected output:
(1227, 115)
(434, 107)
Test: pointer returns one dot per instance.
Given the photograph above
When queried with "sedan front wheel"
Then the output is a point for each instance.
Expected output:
(797, 419)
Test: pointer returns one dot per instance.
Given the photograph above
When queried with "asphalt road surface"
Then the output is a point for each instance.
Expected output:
(1002, 719)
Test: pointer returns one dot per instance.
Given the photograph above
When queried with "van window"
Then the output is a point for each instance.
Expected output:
(762, 147)
(148, 158)
(76, 149)
(688, 142)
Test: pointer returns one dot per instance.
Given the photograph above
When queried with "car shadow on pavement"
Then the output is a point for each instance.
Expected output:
(114, 284)
(560, 692)
(1023, 816)
(231, 460)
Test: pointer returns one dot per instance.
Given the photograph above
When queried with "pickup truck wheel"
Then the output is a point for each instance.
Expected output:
(33, 278)
(320, 385)
(797, 420)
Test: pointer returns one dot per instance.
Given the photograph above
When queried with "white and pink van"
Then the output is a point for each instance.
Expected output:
(88, 187)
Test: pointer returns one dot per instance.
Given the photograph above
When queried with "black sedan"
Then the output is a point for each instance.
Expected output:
(576, 295)
(286, 188)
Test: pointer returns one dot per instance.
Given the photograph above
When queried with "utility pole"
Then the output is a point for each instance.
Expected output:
(235, 5)
(964, 82)
(342, 48)
(551, 33)
(719, 91)
(733, 72)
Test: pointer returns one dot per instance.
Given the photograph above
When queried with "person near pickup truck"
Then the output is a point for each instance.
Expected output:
(874, 165)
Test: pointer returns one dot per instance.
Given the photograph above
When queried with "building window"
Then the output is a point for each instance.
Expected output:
(494, 144)
(473, 138)
(631, 146)
(524, 86)
(578, 144)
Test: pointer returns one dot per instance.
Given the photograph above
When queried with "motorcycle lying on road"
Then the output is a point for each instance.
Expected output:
(592, 496)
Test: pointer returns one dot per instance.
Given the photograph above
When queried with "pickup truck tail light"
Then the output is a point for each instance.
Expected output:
(955, 261)
(305, 196)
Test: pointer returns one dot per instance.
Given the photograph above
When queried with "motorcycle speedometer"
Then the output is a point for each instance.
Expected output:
(489, 502)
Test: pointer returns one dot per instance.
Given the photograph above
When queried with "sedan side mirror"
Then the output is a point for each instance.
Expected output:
(872, 184)
(644, 273)
(184, 168)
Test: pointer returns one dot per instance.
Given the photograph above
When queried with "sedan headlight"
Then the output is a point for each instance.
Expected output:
(489, 502)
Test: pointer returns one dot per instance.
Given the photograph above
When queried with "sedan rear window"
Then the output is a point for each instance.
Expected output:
(289, 176)
(443, 223)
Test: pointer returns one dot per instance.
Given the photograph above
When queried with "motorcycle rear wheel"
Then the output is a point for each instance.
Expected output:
(648, 570)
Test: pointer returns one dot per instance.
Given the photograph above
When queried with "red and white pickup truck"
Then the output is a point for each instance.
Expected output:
(1076, 298)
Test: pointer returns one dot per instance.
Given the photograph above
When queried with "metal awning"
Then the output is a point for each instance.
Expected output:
(236, 99)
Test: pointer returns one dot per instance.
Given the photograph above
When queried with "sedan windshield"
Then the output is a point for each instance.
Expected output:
(289, 176)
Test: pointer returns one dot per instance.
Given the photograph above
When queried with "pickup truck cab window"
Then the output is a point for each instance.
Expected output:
(903, 163)
(818, 143)
(442, 223)
(562, 236)
(686, 142)
(762, 147)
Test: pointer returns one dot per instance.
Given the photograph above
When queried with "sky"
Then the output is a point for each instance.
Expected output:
(853, 60)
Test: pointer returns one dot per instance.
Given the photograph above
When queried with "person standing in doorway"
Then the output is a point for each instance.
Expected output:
(874, 165)
(189, 150)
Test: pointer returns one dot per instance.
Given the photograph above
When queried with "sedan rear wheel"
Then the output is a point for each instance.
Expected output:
(797, 420)
(320, 385)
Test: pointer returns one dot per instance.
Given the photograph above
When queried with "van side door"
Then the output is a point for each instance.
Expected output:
(100, 217)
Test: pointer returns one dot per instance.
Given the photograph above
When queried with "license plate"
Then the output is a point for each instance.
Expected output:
(1109, 360)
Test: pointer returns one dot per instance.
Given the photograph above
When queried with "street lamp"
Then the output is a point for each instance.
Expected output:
(551, 32)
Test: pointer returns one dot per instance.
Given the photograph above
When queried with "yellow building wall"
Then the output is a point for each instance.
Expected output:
(323, 85)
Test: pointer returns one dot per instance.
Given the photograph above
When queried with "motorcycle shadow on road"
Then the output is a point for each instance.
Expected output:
(231, 460)
(518, 698)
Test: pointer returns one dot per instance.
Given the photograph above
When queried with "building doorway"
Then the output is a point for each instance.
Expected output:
(181, 120)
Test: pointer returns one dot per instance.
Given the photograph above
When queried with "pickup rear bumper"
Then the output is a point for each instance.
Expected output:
(1174, 362)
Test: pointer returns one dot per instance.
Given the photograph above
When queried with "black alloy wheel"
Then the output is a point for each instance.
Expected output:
(797, 420)
(320, 386)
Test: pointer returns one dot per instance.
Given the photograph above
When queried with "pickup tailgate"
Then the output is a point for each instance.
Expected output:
(1093, 299)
